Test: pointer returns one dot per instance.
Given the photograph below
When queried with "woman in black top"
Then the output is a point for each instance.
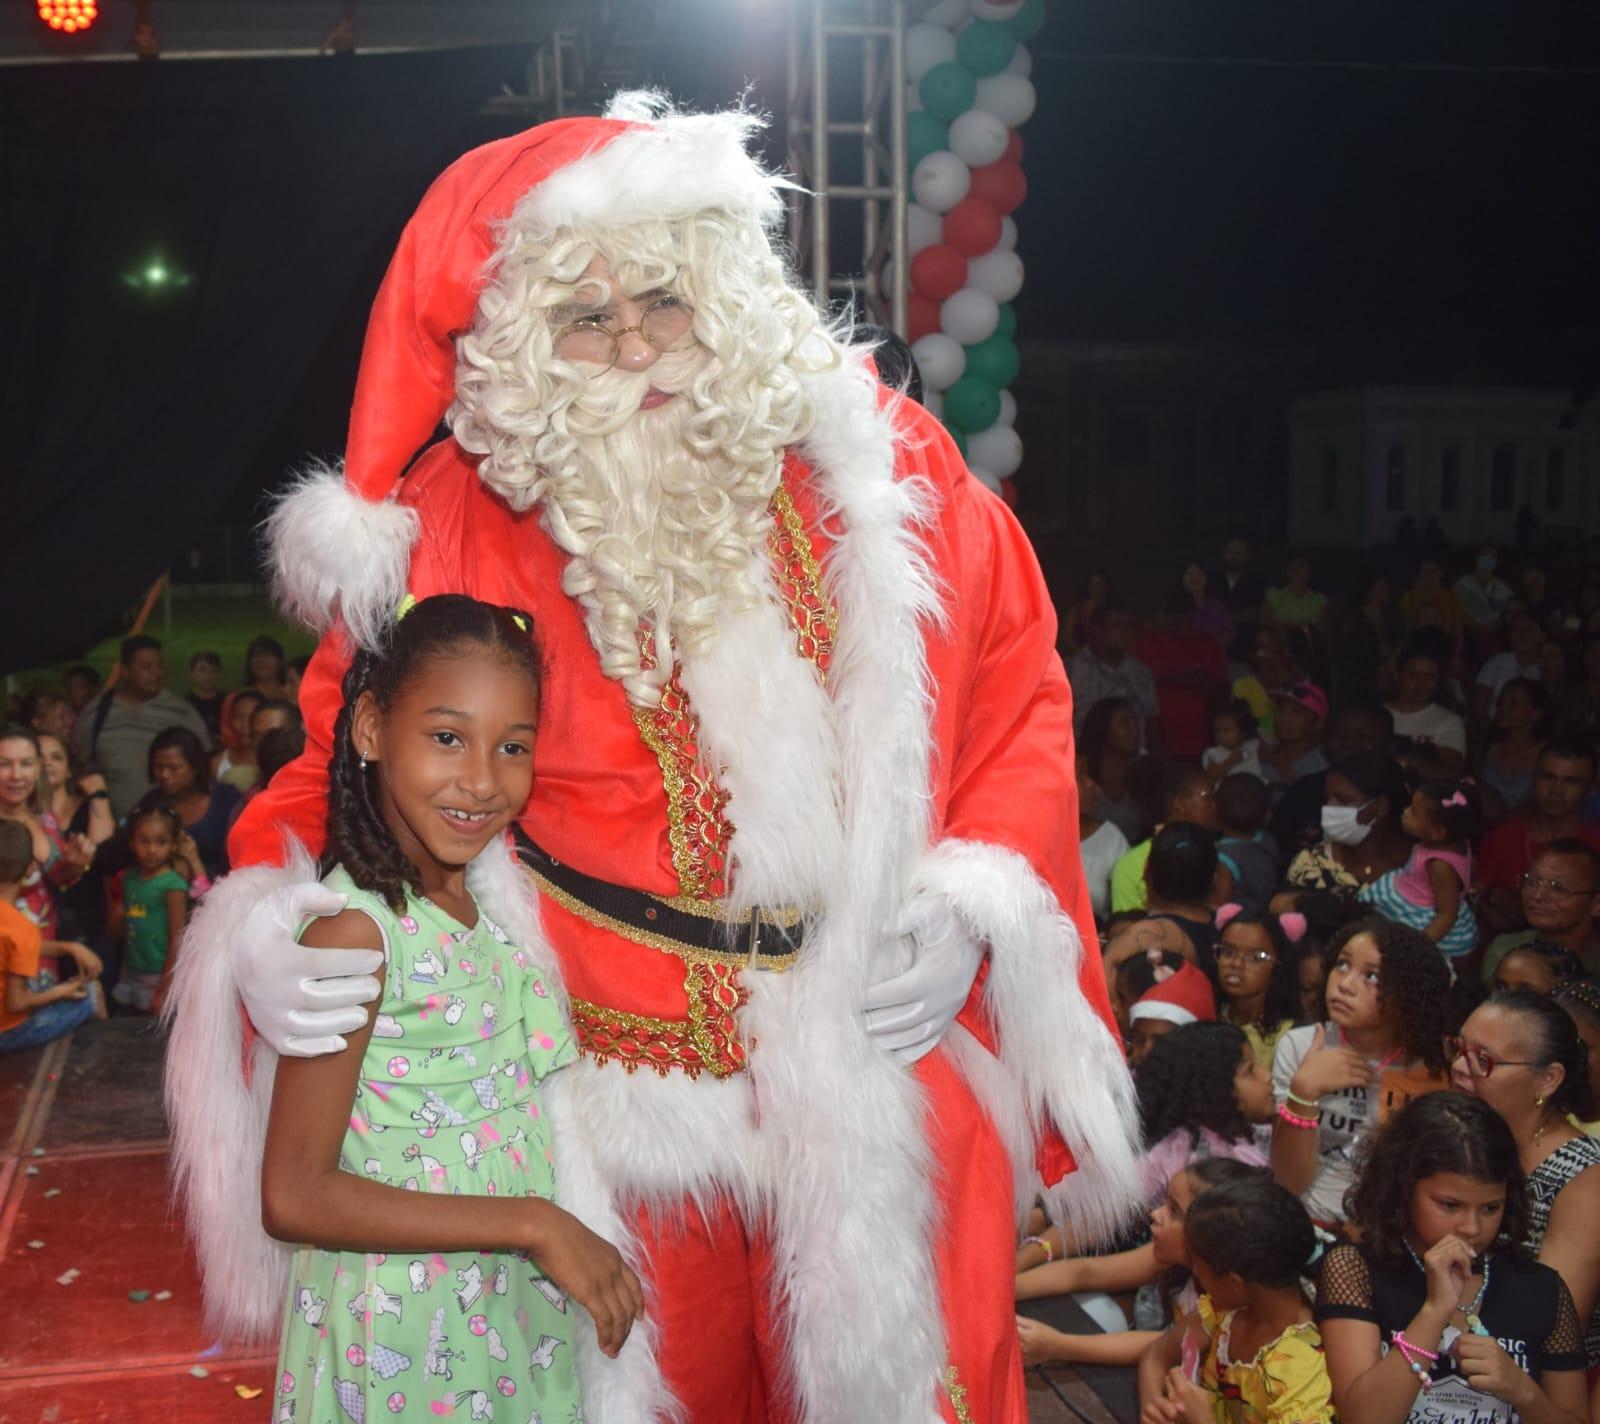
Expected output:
(1437, 1317)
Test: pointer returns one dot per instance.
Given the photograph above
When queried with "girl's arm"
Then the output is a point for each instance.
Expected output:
(1127, 1270)
(20, 999)
(1570, 1247)
(305, 1197)
(1446, 899)
(102, 824)
(1041, 1345)
(1367, 1384)
(86, 959)
(177, 913)
(1161, 1354)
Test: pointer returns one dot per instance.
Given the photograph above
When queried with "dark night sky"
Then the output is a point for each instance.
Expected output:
(1409, 189)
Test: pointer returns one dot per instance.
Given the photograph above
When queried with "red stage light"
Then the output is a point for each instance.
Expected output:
(68, 16)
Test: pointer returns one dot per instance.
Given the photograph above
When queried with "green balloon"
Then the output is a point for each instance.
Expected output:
(972, 404)
(947, 90)
(1008, 320)
(985, 47)
(956, 435)
(995, 361)
(924, 135)
(1028, 21)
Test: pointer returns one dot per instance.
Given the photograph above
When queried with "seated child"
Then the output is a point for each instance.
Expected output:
(147, 905)
(1159, 1270)
(1249, 1352)
(1183, 997)
(1236, 747)
(1437, 1314)
(36, 1010)
(1429, 892)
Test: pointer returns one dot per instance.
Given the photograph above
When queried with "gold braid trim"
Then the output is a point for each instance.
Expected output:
(958, 1396)
(799, 576)
(707, 1041)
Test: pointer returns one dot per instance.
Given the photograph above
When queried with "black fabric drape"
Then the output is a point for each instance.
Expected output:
(266, 188)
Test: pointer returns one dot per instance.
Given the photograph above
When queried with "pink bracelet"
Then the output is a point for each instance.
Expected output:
(1413, 1355)
(1043, 1245)
(1295, 1120)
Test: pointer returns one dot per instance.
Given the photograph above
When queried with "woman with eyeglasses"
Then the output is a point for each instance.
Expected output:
(1521, 1054)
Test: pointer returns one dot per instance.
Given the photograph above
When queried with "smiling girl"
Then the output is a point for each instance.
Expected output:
(414, 1168)
(1382, 1043)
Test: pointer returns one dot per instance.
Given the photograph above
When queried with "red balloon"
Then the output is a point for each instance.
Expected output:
(922, 316)
(1001, 185)
(972, 226)
(1013, 153)
(1008, 491)
(938, 271)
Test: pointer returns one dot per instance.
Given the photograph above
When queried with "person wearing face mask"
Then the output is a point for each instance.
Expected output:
(1483, 594)
(1361, 838)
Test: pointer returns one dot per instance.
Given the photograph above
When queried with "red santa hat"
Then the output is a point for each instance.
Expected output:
(1184, 998)
(340, 543)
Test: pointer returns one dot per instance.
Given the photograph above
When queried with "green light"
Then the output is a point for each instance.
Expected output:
(155, 274)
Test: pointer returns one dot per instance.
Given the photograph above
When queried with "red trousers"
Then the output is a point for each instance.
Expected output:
(720, 1340)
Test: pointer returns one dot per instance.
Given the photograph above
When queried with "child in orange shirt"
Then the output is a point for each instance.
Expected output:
(34, 1010)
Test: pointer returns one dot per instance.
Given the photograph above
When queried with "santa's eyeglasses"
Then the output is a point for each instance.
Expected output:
(592, 346)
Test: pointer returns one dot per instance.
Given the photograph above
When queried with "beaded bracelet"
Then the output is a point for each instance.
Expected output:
(1309, 1104)
(1295, 1120)
(1413, 1355)
(1043, 1245)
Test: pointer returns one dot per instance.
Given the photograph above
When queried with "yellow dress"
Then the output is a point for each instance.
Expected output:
(1286, 1382)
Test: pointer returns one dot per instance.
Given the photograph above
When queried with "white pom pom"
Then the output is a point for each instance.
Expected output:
(1020, 63)
(999, 448)
(926, 46)
(995, 9)
(940, 359)
(999, 273)
(940, 181)
(1008, 233)
(1008, 409)
(977, 137)
(923, 228)
(1009, 97)
(970, 316)
(987, 478)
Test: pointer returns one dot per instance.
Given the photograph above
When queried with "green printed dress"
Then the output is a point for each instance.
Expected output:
(447, 1102)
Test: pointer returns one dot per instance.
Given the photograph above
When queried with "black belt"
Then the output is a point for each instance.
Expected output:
(766, 938)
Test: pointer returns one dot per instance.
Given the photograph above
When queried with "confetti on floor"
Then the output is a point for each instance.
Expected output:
(245, 1392)
(163, 1295)
(66, 1278)
(53, 1192)
(36, 1245)
(139, 1297)
(200, 1372)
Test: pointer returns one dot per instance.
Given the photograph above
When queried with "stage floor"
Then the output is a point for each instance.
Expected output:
(99, 1292)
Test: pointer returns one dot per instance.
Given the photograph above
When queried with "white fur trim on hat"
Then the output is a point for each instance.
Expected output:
(334, 554)
(1155, 1009)
(672, 166)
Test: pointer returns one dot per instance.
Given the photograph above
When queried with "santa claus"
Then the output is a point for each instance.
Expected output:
(802, 836)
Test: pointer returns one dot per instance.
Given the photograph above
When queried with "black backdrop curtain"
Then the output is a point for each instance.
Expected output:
(264, 191)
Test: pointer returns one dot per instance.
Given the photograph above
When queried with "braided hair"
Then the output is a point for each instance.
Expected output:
(359, 838)
(1251, 1228)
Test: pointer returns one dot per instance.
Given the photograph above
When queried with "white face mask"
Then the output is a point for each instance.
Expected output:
(1341, 824)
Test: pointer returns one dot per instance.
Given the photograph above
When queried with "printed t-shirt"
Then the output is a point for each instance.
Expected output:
(148, 928)
(1526, 1308)
(1436, 725)
(20, 943)
(1347, 1115)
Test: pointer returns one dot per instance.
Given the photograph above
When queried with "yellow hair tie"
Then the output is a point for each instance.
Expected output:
(520, 621)
(406, 605)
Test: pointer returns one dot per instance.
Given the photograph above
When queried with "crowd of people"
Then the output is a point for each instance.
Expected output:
(115, 805)
(1345, 863)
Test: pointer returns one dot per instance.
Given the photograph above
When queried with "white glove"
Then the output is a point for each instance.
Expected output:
(909, 1014)
(301, 999)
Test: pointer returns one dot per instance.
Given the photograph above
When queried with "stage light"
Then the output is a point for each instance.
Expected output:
(156, 276)
(68, 16)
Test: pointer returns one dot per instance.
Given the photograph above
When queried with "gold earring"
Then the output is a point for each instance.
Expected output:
(1538, 1102)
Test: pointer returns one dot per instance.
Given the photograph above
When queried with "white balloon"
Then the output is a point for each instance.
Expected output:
(933, 403)
(970, 316)
(1009, 97)
(940, 359)
(999, 448)
(997, 272)
(1008, 409)
(1008, 233)
(1021, 62)
(987, 478)
(977, 137)
(923, 228)
(995, 9)
(926, 46)
(948, 13)
(940, 181)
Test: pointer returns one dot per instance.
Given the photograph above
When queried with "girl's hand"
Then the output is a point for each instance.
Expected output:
(86, 959)
(1037, 1341)
(1191, 1403)
(189, 853)
(591, 1270)
(1328, 1070)
(1160, 1411)
(1489, 1369)
(1447, 1265)
(79, 851)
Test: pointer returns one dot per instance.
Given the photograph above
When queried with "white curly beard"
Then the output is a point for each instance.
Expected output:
(660, 536)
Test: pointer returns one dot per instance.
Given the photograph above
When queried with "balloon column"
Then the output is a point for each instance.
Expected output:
(968, 69)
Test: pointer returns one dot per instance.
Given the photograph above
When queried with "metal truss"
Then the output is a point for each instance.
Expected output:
(849, 56)
(577, 68)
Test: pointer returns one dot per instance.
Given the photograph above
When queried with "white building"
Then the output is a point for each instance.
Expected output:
(1360, 461)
